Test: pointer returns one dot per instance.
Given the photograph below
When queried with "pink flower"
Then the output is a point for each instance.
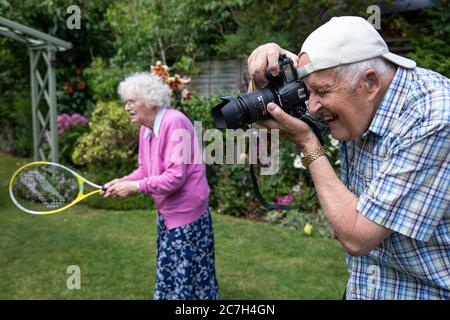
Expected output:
(65, 121)
(285, 199)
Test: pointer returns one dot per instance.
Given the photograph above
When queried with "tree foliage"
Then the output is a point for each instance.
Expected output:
(49, 16)
(431, 42)
(285, 22)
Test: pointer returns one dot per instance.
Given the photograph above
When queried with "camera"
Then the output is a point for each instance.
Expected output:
(286, 90)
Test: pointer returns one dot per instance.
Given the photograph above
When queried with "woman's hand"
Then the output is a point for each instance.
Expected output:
(264, 58)
(291, 128)
(107, 186)
(118, 188)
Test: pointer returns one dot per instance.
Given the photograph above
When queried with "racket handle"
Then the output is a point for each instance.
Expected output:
(104, 189)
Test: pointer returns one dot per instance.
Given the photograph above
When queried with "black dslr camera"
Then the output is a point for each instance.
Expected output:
(286, 90)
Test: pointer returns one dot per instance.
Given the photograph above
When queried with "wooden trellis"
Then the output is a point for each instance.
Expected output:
(42, 49)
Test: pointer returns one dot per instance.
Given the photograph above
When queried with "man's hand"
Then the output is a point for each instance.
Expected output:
(291, 128)
(118, 188)
(264, 58)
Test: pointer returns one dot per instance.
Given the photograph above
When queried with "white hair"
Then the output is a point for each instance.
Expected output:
(147, 87)
(351, 73)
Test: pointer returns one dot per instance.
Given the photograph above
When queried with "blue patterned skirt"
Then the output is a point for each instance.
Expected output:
(185, 264)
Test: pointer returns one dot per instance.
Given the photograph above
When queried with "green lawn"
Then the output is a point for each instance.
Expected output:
(115, 251)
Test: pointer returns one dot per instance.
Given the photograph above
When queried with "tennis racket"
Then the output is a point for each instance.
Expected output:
(46, 187)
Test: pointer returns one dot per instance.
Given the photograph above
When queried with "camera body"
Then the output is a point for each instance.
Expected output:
(286, 90)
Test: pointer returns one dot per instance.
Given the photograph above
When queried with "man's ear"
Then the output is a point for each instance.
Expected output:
(372, 81)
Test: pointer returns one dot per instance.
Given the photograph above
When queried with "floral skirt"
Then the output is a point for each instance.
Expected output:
(185, 264)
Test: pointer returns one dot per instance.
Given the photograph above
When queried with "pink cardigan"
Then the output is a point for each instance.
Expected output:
(179, 188)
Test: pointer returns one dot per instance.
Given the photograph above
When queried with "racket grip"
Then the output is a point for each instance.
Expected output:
(104, 189)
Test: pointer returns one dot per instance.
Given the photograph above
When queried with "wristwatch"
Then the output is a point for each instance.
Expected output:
(310, 157)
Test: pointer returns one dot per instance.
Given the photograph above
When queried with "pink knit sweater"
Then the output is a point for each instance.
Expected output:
(179, 187)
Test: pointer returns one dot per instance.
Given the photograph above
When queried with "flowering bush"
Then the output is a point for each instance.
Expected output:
(178, 84)
(70, 129)
(111, 141)
(309, 218)
(66, 121)
(76, 96)
(284, 200)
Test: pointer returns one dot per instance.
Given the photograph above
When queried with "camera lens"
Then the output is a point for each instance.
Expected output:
(235, 113)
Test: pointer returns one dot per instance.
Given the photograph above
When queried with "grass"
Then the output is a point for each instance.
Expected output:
(115, 251)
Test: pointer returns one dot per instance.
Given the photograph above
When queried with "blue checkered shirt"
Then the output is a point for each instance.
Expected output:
(400, 171)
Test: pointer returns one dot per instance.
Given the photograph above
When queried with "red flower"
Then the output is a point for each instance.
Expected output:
(160, 71)
(68, 88)
(177, 82)
(186, 94)
(81, 85)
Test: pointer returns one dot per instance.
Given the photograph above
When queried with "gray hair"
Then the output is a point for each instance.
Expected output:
(147, 87)
(351, 73)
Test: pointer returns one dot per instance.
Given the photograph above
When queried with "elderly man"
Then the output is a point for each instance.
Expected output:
(390, 209)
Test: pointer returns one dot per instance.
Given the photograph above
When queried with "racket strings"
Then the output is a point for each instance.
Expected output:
(44, 188)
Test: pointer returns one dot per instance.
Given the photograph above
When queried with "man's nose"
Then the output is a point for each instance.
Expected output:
(314, 104)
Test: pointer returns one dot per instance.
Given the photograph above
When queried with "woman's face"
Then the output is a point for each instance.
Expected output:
(139, 112)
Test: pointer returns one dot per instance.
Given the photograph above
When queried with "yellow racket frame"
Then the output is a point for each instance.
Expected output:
(80, 196)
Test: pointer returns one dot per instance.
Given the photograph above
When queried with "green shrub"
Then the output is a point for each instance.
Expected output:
(109, 149)
(68, 142)
(75, 96)
(103, 77)
(199, 109)
(16, 133)
(430, 40)
(231, 194)
(111, 143)
(294, 219)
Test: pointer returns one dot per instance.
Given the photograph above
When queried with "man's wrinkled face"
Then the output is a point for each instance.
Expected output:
(346, 110)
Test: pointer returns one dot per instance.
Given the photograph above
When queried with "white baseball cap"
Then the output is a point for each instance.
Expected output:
(345, 40)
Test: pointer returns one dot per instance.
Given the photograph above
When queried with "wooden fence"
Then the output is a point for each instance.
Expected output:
(221, 77)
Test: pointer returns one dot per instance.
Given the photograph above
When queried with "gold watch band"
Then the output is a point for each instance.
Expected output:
(310, 157)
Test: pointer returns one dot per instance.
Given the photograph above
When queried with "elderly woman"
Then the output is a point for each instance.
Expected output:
(185, 244)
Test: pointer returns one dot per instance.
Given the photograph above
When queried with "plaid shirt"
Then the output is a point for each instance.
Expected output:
(400, 171)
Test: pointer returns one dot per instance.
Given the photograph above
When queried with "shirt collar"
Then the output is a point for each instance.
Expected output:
(156, 124)
(389, 109)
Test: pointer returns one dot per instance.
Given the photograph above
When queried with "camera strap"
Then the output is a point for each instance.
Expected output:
(270, 206)
(273, 206)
